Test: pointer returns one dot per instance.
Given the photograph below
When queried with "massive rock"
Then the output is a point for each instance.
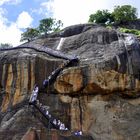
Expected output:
(99, 95)
(109, 62)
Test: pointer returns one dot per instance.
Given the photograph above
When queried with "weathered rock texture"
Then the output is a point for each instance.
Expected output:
(135, 24)
(20, 72)
(109, 62)
(99, 96)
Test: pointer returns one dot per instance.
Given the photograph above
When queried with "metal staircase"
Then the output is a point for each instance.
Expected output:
(57, 124)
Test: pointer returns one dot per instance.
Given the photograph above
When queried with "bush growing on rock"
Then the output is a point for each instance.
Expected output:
(120, 14)
(101, 17)
(132, 31)
(124, 13)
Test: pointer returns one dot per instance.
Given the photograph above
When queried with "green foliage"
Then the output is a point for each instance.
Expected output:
(132, 31)
(119, 15)
(109, 27)
(29, 34)
(45, 25)
(48, 25)
(101, 17)
(5, 45)
(124, 13)
(57, 25)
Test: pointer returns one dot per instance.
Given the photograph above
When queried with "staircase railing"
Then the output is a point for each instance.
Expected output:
(57, 124)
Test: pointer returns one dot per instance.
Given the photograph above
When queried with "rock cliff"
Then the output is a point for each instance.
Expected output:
(99, 95)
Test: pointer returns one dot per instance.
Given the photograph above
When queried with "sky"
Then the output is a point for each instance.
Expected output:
(17, 15)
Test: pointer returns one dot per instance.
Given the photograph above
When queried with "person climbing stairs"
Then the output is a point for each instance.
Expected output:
(54, 74)
(56, 123)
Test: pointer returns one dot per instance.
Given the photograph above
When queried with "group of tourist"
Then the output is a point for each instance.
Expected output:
(45, 111)
(47, 81)
(34, 94)
(56, 122)
(60, 124)
(78, 133)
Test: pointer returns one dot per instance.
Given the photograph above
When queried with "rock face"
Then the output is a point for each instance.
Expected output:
(20, 72)
(130, 24)
(109, 63)
(100, 95)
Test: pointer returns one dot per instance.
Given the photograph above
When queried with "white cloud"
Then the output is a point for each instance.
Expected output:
(2, 18)
(48, 5)
(74, 11)
(24, 20)
(45, 9)
(13, 2)
(3, 1)
(12, 33)
(78, 11)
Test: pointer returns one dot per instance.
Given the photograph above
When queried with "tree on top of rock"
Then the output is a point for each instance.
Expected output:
(124, 13)
(45, 27)
(57, 25)
(101, 17)
(48, 25)
(119, 15)
(29, 34)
